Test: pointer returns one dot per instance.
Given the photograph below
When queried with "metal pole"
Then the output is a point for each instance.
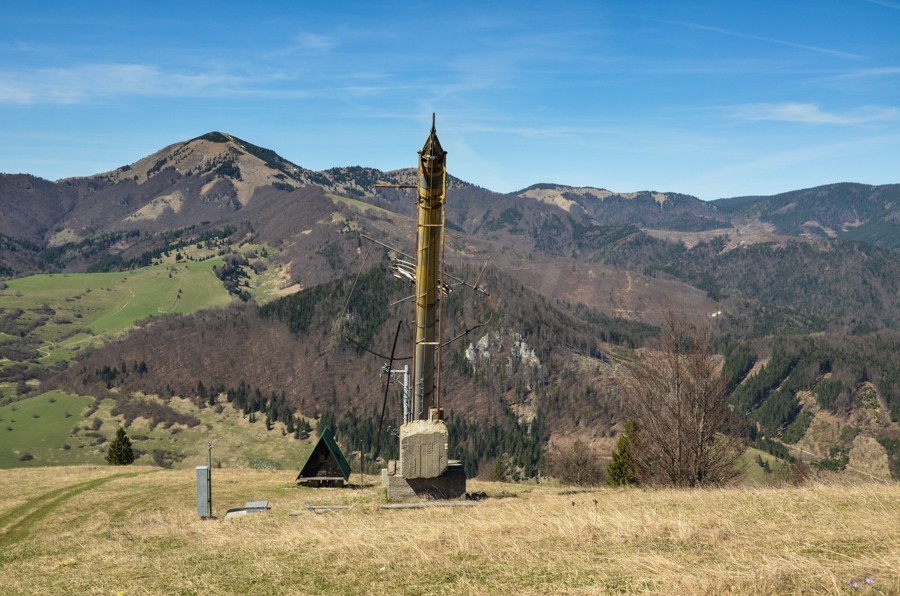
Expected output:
(406, 414)
(402, 375)
(209, 478)
(429, 239)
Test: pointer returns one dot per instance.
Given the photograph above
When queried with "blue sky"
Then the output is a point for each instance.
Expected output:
(715, 99)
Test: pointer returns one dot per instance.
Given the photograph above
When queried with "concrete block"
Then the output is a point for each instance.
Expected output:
(423, 449)
(450, 485)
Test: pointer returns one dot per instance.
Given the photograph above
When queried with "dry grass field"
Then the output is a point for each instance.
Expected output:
(103, 530)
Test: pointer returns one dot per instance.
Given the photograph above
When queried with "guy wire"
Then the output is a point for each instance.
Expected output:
(353, 341)
(350, 295)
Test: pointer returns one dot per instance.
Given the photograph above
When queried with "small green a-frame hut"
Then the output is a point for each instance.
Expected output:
(326, 465)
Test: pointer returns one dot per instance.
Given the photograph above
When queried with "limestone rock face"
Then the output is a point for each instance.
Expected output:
(423, 449)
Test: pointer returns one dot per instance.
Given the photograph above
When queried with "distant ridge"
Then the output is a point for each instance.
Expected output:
(806, 279)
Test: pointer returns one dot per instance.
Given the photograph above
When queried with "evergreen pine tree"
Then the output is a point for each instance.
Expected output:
(622, 470)
(120, 452)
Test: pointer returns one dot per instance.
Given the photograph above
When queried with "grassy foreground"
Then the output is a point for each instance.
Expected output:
(102, 530)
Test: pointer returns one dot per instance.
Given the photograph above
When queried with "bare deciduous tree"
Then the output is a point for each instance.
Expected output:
(677, 396)
(577, 465)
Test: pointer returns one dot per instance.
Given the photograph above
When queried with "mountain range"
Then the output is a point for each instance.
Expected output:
(801, 286)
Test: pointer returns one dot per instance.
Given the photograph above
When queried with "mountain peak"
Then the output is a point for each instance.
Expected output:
(216, 156)
(214, 137)
(561, 195)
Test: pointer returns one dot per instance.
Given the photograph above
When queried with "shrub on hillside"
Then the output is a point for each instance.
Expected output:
(577, 465)
(797, 473)
(502, 469)
(165, 459)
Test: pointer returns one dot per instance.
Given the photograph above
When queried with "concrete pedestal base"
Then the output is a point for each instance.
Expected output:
(449, 485)
(423, 448)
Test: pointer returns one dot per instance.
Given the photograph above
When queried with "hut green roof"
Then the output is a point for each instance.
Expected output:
(326, 459)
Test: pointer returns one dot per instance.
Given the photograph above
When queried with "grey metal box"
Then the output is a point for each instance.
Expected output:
(203, 496)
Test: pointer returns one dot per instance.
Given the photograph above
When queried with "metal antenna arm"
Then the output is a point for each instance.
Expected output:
(389, 185)
(458, 280)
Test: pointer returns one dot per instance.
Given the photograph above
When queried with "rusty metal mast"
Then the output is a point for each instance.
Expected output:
(431, 191)
(424, 468)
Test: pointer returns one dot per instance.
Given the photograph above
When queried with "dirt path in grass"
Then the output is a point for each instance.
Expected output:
(16, 523)
(121, 308)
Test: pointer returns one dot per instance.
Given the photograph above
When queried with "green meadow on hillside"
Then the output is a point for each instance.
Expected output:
(38, 430)
(64, 312)
(56, 429)
(49, 318)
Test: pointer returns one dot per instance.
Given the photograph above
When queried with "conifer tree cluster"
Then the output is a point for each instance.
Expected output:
(120, 452)
(623, 467)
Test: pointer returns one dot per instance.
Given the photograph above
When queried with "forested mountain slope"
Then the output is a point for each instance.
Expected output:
(801, 289)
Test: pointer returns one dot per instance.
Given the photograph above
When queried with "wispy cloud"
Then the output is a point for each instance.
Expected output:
(869, 73)
(315, 42)
(886, 3)
(83, 83)
(305, 42)
(808, 113)
(772, 40)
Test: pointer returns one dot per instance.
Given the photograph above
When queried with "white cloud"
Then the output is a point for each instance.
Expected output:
(808, 113)
(314, 42)
(13, 92)
(85, 83)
